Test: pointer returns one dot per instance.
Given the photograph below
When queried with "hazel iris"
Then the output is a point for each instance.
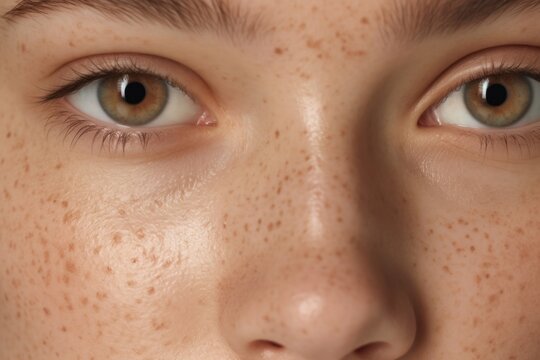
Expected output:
(499, 101)
(133, 99)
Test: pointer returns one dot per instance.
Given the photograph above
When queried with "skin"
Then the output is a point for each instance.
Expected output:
(316, 221)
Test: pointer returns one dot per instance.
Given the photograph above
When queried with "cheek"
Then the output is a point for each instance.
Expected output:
(71, 272)
(479, 267)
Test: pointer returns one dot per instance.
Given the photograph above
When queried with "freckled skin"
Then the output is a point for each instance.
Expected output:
(315, 225)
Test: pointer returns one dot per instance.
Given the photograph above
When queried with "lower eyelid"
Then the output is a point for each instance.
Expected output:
(521, 144)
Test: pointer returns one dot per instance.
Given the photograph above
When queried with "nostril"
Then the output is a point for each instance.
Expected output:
(370, 350)
(266, 345)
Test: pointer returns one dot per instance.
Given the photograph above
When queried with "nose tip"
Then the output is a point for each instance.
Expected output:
(312, 325)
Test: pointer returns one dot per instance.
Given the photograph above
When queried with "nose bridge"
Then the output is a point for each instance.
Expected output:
(328, 181)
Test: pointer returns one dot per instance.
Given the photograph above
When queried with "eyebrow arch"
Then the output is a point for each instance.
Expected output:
(419, 19)
(217, 16)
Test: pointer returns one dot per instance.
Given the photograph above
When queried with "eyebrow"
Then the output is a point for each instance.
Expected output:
(218, 16)
(420, 19)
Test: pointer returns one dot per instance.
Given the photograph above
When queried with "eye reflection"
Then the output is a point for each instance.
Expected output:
(133, 99)
(499, 101)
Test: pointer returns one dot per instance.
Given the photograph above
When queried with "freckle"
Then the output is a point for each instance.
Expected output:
(313, 44)
(157, 325)
(131, 283)
(101, 296)
(472, 248)
(140, 234)
(122, 212)
(70, 267)
(117, 239)
(97, 250)
(64, 329)
(279, 51)
(151, 291)
(365, 20)
(447, 269)
(276, 134)
(46, 311)
(8, 135)
(108, 270)
(84, 301)
(58, 166)
(71, 216)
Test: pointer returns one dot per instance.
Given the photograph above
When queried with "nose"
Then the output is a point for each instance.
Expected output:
(320, 313)
(323, 282)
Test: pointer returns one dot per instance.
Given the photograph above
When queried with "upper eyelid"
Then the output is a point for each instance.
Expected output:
(509, 59)
(80, 75)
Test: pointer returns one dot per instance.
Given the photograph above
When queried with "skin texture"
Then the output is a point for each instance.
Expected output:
(316, 221)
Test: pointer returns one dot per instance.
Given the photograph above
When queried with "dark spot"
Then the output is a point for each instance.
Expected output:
(70, 267)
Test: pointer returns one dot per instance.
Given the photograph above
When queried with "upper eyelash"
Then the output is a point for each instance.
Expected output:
(76, 126)
(492, 68)
(96, 71)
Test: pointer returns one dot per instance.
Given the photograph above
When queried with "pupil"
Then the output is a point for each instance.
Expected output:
(135, 93)
(496, 95)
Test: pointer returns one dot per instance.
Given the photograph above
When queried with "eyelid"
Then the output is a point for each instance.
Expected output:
(76, 74)
(509, 59)
(75, 125)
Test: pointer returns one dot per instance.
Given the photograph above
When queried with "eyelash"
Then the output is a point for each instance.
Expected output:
(491, 68)
(75, 126)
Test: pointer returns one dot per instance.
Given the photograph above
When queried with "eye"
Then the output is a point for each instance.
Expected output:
(499, 101)
(135, 100)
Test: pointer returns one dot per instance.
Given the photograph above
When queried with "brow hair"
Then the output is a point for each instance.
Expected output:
(219, 16)
(418, 19)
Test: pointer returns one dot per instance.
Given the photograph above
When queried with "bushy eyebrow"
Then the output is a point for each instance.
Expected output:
(218, 16)
(419, 19)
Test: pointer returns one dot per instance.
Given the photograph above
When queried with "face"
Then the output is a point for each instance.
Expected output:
(269, 180)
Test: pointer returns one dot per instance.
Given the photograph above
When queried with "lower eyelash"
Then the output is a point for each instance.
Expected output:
(526, 142)
(111, 140)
